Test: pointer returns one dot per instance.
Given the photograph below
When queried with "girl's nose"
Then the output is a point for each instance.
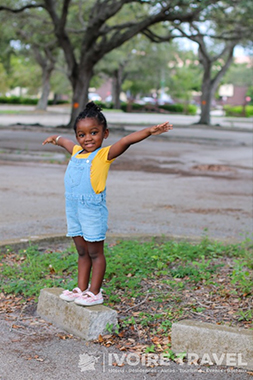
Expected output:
(88, 137)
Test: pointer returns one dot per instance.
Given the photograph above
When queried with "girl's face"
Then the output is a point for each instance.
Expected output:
(90, 134)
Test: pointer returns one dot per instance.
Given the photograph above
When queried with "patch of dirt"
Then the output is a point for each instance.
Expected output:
(217, 211)
(213, 168)
(206, 211)
(153, 166)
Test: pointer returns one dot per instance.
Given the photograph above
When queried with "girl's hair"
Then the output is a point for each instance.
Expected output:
(92, 111)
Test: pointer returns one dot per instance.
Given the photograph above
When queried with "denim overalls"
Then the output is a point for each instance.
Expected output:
(86, 211)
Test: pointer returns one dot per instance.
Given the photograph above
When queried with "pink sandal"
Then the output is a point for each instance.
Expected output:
(89, 299)
(71, 295)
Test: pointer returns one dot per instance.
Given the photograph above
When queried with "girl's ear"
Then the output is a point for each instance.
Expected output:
(106, 133)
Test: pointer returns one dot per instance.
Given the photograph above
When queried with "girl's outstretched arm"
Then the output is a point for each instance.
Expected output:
(121, 146)
(61, 141)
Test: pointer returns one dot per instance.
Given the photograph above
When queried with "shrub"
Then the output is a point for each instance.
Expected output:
(10, 100)
(134, 106)
(190, 109)
(27, 101)
(238, 110)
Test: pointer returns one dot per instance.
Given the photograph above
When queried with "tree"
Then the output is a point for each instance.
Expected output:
(220, 28)
(24, 73)
(185, 76)
(239, 74)
(30, 39)
(95, 26)
(114, 66)
(211, 77)
(37, 41)
(142, 67)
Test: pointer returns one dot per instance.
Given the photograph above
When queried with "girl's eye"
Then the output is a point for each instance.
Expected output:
(93, 133)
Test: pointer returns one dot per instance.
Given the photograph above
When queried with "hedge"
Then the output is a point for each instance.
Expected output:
(189, 109)
(27, 101)
(238, 110)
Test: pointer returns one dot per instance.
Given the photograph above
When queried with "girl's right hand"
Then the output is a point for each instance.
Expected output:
(50, 140)
(61, 141)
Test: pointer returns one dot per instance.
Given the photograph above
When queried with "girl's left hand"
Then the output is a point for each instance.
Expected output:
(161, 128)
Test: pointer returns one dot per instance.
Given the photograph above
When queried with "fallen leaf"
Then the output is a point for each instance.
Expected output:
(17, 327)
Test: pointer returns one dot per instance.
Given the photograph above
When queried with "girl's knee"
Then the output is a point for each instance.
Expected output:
(96, 250)
(82, 251)
(81, 246)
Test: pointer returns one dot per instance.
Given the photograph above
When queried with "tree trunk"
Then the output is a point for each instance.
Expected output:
(80, 94)
(206, 96)
(206, 102)
(209, 84)
(42, 104)
(117, 82)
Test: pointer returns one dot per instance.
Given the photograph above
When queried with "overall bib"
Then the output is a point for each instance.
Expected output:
(86, 211)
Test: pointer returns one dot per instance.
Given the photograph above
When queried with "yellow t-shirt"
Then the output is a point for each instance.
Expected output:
(99, 168)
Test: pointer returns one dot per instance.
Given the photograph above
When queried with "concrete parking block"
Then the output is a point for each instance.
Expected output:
(86, 322)
(213, 344)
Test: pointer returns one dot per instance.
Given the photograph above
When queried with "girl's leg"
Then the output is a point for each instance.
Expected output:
(84, 262)
(96, 253)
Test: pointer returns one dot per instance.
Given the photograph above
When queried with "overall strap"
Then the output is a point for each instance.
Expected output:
(90, 157)
(93, 154)
(80, 151)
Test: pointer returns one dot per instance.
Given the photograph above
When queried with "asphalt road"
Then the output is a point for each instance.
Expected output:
(180, 184)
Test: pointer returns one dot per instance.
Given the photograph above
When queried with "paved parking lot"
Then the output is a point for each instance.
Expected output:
(180, 184)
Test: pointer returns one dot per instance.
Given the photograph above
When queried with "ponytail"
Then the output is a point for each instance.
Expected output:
(92, 111)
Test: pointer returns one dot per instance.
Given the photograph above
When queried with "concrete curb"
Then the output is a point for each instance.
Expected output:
(85, 322)
(213, 344)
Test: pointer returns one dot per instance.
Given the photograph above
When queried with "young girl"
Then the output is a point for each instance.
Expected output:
(85, 194)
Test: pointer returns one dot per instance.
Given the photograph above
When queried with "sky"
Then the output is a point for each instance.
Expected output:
(238, 52)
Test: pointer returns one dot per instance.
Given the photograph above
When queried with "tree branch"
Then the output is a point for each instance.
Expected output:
(120, 36)
(224, 68)
(62, 36)
(28, 6)
(155, 38)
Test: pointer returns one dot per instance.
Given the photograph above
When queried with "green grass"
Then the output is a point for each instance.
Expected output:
(14, 112)
(128, 264)
(131, 263)
(152, 284)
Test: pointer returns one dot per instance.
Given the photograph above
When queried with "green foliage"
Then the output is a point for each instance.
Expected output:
(238, 110)
(245, 315)
(239, 75)
(135, 107)
(111, 329)
(242, 277)
(18, 100)
(27, 101)
(195, 270)
(189, 109)
(130, 262)
(150, 349)
(30, 270)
